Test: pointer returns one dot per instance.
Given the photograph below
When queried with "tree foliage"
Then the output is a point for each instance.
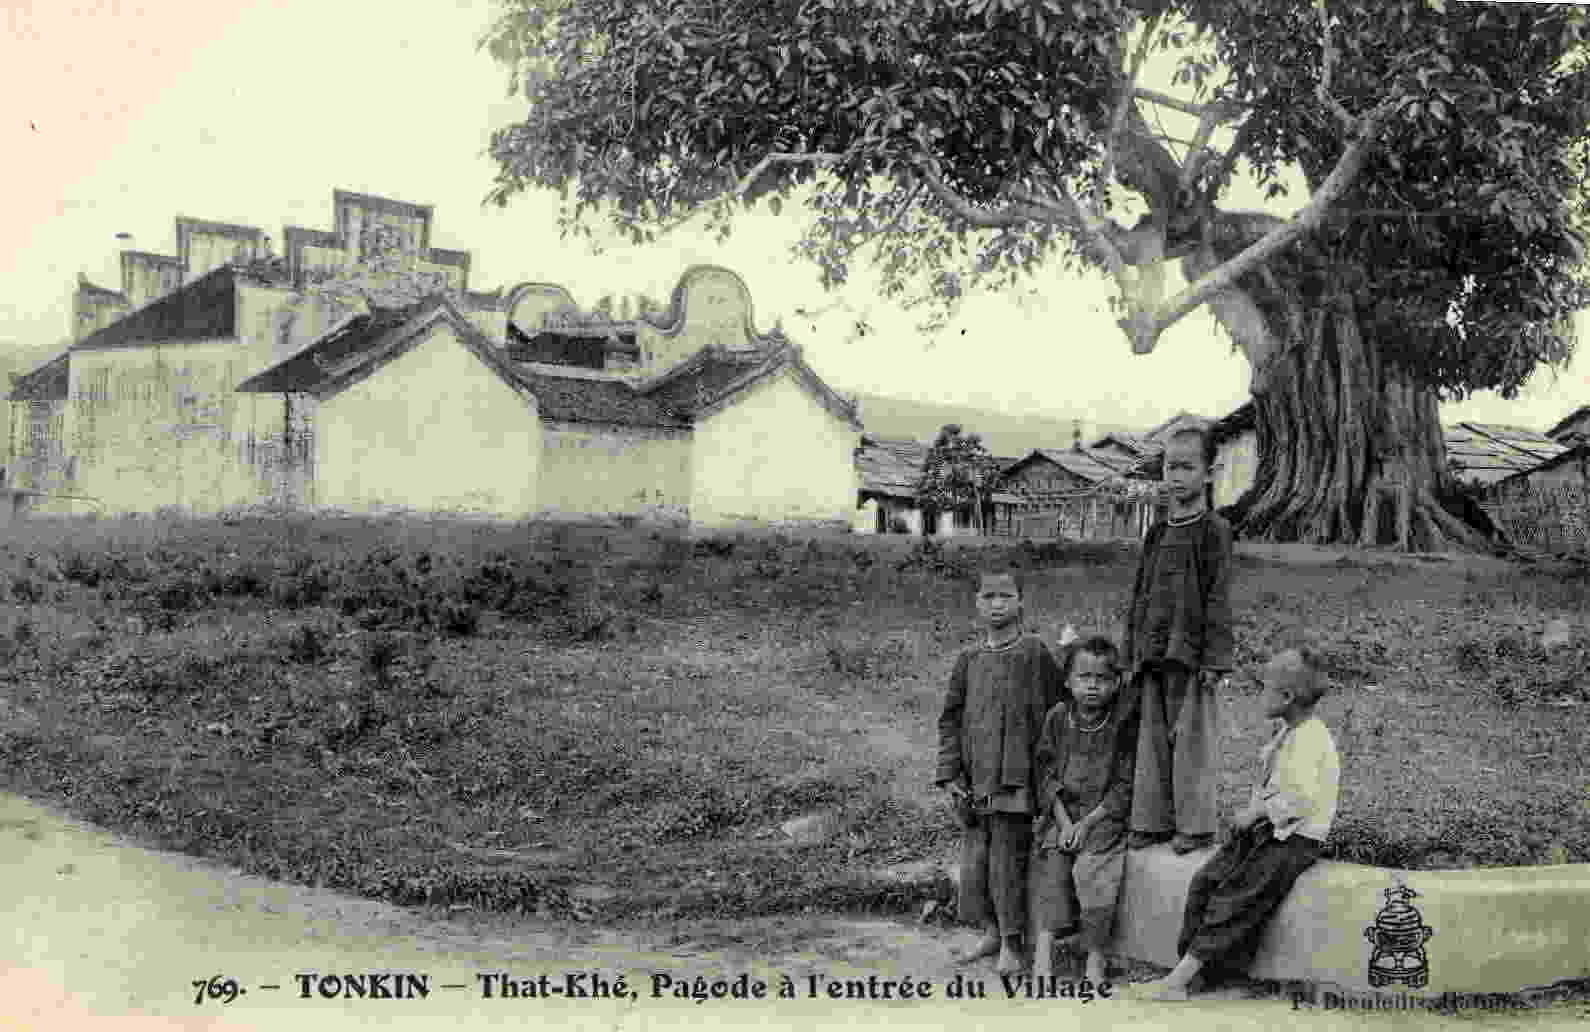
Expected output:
(958, 474)
(970, 141)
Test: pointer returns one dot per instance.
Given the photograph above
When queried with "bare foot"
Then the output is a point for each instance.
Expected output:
(1009, 961)
(987, 946)
(1095, 971)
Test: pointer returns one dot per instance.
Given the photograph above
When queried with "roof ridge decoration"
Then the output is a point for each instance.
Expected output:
(165, 259)
(375, 202)
(84, 284)
(671, 321)
(231, 229)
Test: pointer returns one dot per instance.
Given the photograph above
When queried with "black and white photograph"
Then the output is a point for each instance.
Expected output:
(795, 513)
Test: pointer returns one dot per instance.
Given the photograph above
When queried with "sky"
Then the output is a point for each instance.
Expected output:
(122, 116)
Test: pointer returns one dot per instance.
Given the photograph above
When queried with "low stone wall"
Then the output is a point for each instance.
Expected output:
(1495, 930)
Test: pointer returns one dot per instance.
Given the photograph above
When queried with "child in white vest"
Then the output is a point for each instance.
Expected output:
(1278, 835)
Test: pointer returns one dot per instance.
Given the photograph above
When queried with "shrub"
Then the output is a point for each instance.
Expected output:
(307, 645)
(381, 652)
(460, 619)
(27, 590)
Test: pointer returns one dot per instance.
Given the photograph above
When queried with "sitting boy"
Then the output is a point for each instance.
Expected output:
(1277, 836)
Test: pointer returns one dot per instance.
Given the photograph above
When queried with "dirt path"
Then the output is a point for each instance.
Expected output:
(103, 928)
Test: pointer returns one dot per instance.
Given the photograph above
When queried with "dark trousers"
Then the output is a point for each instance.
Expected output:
(1078, 891)
(1177, 769)
(994, 850)
(1233, 896)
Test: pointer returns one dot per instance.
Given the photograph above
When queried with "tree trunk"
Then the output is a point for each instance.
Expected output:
(1349, 452)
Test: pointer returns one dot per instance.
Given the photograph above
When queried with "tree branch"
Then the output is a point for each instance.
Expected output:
(1100, 236)
(748, 180)
(1147, 166)
(1006, 218)
(1175, 104)
(1124, 101)
(1144, 326)
(1327, 63)
(899, 215)
(743, 186)
(1207, 123)
(1228, 160)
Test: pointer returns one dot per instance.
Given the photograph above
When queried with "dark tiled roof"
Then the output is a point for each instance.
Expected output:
(1079, 463)
(1130, 441)
(711, 377)
(1577, 453)
(1525, 440)
(310, 369)
(569, 399)
(1485, 452)
(1568, 420)
(49, 382)
(890, 467)
(702, 380)
(1119, 463)
(363, 345)
(582, 346)
(203, 309)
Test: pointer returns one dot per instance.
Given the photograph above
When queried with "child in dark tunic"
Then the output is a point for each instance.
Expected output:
(1084, 761)
(1178, 651)
(998, 694)
(1277, 836)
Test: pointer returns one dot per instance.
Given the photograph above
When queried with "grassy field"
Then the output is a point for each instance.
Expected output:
(618, 723)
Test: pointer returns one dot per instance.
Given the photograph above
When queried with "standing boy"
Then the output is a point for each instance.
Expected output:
(998, 695)
(1278, 835)
(1178, 650)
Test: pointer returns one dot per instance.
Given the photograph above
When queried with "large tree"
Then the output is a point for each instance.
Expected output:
(1439, 251)
(959, 475)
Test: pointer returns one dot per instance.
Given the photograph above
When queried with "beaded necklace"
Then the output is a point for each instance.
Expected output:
(1089, 730)
(989, 646)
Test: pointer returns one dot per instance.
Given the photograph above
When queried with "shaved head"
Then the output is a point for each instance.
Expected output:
(1296, 671)
(1002, 580)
